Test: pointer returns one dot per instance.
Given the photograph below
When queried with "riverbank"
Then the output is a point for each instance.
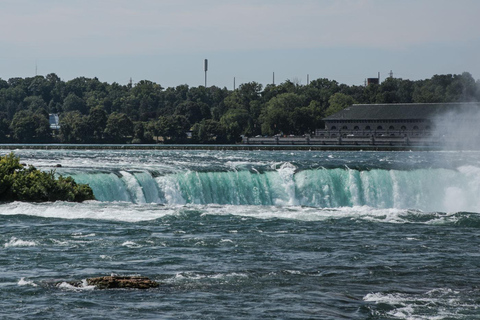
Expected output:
(220, 147)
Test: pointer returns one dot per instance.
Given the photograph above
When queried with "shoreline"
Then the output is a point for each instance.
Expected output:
(233, 147)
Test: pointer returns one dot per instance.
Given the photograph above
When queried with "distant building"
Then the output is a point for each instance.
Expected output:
(373, 80)
(400, 119)
(54, 121)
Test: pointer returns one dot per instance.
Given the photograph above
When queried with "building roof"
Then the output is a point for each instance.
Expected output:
(401, 111)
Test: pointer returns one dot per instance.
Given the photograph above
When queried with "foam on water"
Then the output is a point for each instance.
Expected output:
(23, 282)
(14, 242)
(130, 212)
(116, 211)
(131, 244)
(440, 303)
(82, 287)
(189, 276)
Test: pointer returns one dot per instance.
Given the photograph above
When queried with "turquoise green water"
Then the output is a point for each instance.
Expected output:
(247, 235)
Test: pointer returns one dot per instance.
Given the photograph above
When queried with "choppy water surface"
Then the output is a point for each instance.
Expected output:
(249, 235)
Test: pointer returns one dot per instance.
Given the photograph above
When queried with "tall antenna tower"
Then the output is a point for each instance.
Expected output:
(205, 67)
(390, 74)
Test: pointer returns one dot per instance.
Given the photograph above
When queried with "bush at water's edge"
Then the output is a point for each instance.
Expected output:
(20, 183)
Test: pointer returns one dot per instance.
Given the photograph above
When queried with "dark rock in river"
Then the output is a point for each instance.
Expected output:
(119, 282)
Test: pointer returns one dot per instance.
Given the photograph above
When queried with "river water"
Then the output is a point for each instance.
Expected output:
(249, 235)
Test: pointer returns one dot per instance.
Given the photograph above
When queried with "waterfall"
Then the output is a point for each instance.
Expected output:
(425, 189)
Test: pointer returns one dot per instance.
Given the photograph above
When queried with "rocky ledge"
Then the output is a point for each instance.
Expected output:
(120, 282)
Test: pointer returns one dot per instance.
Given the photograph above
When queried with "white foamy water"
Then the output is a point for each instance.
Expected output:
(83, 286)
(446, 302)
(131, 244)
(14, 242)
(129, 212)
(23, 282)
(90, 210)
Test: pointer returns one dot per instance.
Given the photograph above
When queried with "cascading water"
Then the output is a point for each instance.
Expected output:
(425, 189)
(354, 235)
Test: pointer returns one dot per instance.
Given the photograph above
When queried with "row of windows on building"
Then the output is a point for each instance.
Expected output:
(356, 128)
(379, 121)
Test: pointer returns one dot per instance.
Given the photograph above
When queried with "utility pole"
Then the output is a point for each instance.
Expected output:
(206, 69)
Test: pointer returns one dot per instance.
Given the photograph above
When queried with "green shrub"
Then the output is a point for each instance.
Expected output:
(20, 183)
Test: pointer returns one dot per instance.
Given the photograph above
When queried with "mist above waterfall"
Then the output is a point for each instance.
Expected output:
(459, 129)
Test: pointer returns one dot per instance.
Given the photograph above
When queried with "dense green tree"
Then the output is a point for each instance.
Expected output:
(193, 111)
(4, 127)
(208, 131)
(20, 183)
(236, 122)
(97, 122)
(77, 86)
(3, 84)
(15, 94)
(307, 119)
(74, 103)
(278, 114)
(119, 128)
(75, 128)
(338, 102)
(34, 103)
(173, 128)
(147, 98)
(28, 126)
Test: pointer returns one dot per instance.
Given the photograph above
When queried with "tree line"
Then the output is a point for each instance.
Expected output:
(92, 111)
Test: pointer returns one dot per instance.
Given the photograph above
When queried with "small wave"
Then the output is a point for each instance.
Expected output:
(23, 282)
(14, 242)
(440, 303)
(82, 286)
(131, 244)
(60, 243)
(81, 235)
(216, 276)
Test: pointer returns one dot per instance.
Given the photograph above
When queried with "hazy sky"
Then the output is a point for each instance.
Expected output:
(166, 41)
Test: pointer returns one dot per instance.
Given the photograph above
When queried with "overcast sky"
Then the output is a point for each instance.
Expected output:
(166, 41)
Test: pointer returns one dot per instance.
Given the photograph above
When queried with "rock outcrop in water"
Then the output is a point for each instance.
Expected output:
(119, 282)
(21, 183)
